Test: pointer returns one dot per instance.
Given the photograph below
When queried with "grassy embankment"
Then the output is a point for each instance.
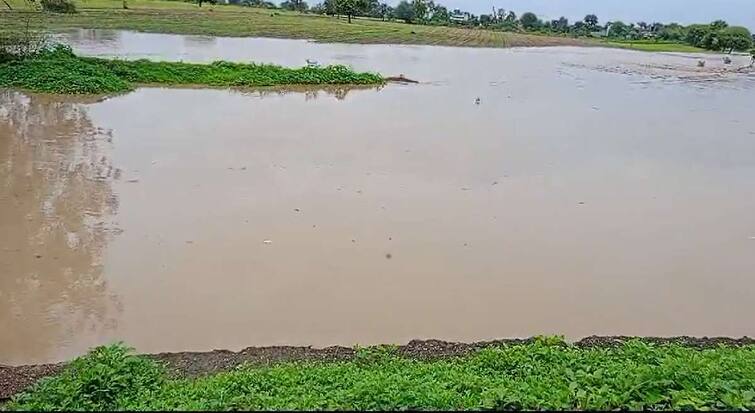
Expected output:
(545, 374)
(161, 16)
(60, 71)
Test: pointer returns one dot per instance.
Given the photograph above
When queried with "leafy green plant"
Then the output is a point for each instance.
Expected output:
(109, 378)
(58, 70)
(58, 6)
(546, 373)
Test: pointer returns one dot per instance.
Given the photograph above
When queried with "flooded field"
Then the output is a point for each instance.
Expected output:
(591, 191)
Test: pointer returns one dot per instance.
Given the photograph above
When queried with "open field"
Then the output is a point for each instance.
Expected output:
(186, 18)
(544, 373)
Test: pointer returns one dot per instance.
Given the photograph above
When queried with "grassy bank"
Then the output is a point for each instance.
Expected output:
(60, 71)
(544, 374)
(161, 16)
(653, 46)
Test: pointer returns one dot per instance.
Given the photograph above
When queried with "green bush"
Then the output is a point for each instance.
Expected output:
(106, 379)
(545, 374)
(58, 6)
(58, 70)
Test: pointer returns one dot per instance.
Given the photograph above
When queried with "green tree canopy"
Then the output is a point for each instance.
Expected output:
(404, 11)
(529, 21)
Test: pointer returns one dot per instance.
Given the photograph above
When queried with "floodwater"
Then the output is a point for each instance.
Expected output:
(591, 191)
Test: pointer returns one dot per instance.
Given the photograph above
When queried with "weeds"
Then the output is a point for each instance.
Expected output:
(58, 70)
(546, 374)
(58, 6)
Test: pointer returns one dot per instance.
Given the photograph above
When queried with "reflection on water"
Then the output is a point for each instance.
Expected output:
(55, 200)
(570, 200)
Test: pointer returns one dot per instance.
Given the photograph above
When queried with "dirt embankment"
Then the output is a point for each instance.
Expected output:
(14, 380)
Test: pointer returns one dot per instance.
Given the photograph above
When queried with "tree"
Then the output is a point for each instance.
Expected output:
(511, 17)
(617, 29)
(561, 25)
(591, 21)
(421, 8)
(718, 25)
(351, 7)
(529, 21)
(734, 38)
(295, 5)
(404, 11)
(439, 14)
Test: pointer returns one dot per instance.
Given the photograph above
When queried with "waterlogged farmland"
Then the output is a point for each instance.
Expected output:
(590, 191)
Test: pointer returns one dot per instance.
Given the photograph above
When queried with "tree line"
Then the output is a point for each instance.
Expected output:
(717, 35)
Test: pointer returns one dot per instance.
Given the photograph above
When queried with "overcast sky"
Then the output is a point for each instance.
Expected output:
(736, 12)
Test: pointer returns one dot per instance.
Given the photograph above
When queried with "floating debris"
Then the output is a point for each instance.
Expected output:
(477, 101)
(267, 242)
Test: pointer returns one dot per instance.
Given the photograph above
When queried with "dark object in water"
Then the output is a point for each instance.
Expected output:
(400, 78)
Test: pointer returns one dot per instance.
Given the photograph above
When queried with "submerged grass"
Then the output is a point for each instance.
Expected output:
(60, 71)
(545, 374)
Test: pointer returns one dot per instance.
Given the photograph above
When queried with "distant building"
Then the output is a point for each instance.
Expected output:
(459, 17)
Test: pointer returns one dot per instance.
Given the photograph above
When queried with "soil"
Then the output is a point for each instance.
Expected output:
(14, 380)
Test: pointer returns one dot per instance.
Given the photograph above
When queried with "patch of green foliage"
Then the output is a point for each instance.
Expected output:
(546, 374)
(58, 70)
(58, 6)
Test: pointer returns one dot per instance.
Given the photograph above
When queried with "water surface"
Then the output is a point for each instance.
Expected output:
(591, 191)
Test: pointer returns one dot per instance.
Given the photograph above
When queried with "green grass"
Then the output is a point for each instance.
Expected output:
(60, 71)
(545, 374)
(162, 16)
(653, 46)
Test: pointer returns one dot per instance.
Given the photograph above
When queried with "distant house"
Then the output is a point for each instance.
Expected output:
(459, 17)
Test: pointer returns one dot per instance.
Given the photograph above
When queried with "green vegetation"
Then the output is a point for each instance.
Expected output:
(58, 6)
(410, 22)
(653, 46)
(58, 70)
(545, 374)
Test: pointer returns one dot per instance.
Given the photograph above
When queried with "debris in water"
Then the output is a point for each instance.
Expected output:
(727, 60)
(267, 242)
(297, 210)
(581, 203)
(133, 181)
(189, 242)
(466, 189)
(701, 63)
(388, 256)
(477, 101)
(37, 256)
(495, 183)
(595, 108)
(312, 63)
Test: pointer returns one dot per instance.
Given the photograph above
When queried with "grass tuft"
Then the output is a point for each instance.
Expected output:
(546, 374)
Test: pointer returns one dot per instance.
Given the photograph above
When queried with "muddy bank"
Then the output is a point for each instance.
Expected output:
(14, 380)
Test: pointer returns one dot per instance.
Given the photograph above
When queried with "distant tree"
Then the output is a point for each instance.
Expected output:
(439, 14)
(591, 21)
(404, 11)
(351, 8)
(617, 29)
(719, 25)
(643, 26)
(486, 19)
(734, 38)
(421, 9)
(697, 33)
(511, 17)
(295, 5)
(561, 25)
(529, 21)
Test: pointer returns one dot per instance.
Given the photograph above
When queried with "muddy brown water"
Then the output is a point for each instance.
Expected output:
(591, 191)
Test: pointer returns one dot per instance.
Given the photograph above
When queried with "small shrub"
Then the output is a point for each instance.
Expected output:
(58, 6)
(108, 378)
